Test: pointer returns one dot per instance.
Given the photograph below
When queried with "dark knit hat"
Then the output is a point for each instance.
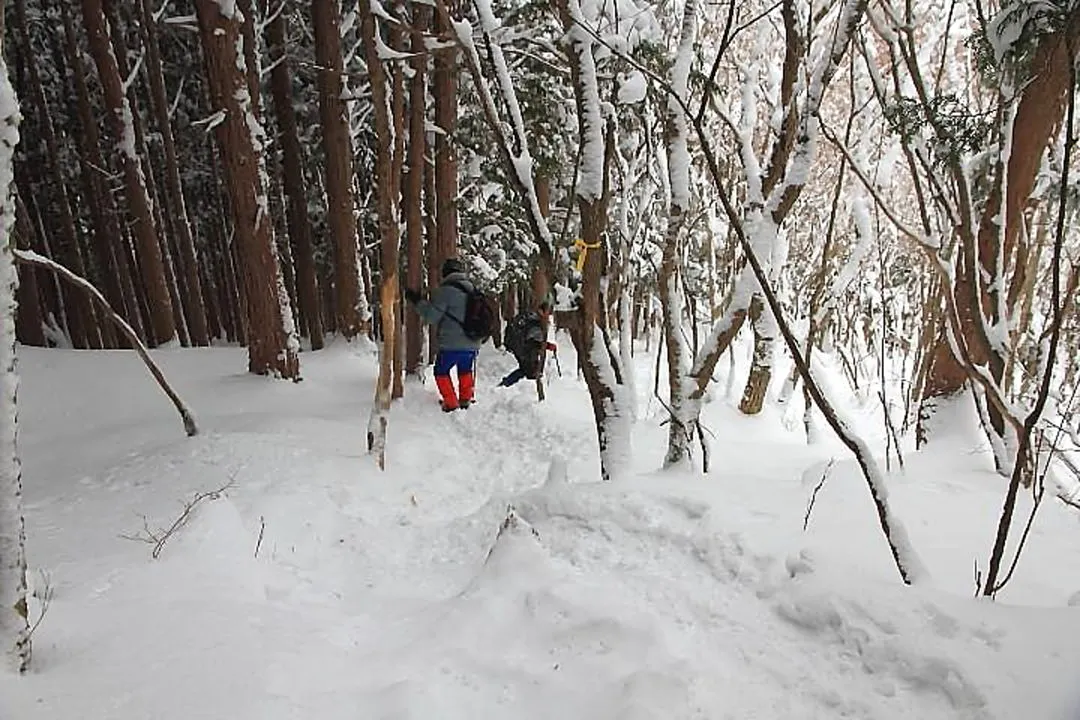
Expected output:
(452, 265)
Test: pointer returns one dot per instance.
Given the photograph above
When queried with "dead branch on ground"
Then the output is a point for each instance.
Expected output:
(159, 537)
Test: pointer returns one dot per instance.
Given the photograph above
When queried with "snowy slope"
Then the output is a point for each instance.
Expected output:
(469, 582)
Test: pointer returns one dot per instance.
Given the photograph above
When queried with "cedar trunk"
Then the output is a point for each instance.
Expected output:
(299, 222)
(122, 121)
(81, 323)
(272, 346)
(414, 187)
(194, 309)
(28, 321)
(445, 92)
(397, 161)
(337, 146)
(113, 261)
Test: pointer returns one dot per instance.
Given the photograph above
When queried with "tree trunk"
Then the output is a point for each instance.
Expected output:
(29, 327)
(337, 146)
(444, 89)
(299, 222)
(272, 345)
(113, 261)
(434, 253)
(194, 309)
(757, 384)
(598, 365)
(252, 55)
(541, 282)
(414, 187)
(122, 121)
(81, 322)
(14, 625)
(1038, 118)
(387, 167)
(682, 425)
(162, 220)
(397, 162)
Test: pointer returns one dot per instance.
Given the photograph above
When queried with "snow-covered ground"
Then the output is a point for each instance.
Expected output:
(472, 580)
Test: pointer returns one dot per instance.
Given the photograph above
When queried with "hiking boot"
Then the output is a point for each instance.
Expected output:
(464, 404)
(448, 408)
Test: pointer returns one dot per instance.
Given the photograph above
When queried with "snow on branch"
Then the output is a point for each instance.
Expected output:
(519, 167)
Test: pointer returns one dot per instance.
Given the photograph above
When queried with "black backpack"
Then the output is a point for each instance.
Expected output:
(479, 320)
(517, 331)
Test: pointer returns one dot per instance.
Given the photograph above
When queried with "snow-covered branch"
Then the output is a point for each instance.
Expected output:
(30, 257)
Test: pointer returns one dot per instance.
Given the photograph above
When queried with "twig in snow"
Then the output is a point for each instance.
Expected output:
(159, 537)
(262, 529)
(817, 488)
(44, 593)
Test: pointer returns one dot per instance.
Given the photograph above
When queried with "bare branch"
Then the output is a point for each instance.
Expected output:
(817, 489)
(158, 538)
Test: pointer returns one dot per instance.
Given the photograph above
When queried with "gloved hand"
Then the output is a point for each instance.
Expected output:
(412, 295)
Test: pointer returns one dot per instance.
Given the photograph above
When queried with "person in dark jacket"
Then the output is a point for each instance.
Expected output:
(446, 311)
(524, 337)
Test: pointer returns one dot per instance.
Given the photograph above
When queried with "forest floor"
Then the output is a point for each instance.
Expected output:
(317, 586)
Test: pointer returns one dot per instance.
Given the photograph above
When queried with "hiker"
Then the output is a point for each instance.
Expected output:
(446, 311)
(524, 337)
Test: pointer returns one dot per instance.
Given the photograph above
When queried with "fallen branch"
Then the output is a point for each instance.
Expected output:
(262, 529)
(29, 257)
(817, 488)
(158, 538)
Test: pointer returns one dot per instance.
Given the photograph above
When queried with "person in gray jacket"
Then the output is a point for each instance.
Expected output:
(446, 311)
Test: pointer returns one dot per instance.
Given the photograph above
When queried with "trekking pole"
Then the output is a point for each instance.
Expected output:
(557, 365)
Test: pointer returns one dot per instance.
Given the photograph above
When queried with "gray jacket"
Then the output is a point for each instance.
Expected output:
(448, 300)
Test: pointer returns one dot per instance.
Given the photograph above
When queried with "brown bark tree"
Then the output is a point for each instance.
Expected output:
(444, 90)
(113, 258)
(414, 186)
(81, 323)
(395, 40)
(979, 279)
(271, 338)
(119, 19)
(29, 327)
(387, 168)
(191, 288)
(122, 122)
(299, 222)
(337, 146)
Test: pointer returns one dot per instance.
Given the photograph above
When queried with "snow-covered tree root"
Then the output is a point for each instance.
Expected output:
(29, 257)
